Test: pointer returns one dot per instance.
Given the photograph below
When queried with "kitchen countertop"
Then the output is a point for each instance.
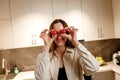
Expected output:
(110, 66)
(116, 68)
(10, 76)
(26, 75)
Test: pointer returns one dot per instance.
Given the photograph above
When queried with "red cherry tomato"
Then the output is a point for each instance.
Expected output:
(63, 31)
(53, 32)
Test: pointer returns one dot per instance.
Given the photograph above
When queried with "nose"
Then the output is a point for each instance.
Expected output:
(59, 36)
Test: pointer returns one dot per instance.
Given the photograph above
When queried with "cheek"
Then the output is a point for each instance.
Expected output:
(64, 40)
(64, 37)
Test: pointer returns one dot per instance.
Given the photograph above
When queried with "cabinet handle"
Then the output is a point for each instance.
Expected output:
(98, 29)
(34, 42)
(35, 39)
(101, 33)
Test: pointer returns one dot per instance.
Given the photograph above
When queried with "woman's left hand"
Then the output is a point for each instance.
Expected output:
(72, 36)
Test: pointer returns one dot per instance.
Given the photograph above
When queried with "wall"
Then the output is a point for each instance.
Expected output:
(104, 48)
(25, 58)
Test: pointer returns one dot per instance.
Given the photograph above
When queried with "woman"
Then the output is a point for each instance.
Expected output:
(63, 57)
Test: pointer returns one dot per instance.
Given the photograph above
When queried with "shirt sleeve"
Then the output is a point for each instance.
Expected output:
(42, 66)
(87, 60)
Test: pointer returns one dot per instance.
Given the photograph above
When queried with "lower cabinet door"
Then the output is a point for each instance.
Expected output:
(106, 75)
(117, 76)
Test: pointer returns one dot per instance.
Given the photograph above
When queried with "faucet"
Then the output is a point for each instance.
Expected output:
(5, 66)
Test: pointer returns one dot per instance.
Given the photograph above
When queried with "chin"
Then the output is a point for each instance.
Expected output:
(60, 44)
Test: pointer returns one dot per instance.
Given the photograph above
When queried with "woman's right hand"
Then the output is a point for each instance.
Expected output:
(46, 38)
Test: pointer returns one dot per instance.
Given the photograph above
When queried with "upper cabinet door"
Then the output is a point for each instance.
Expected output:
(75, 18)
(71, 12)
(60, 9)
(105, 19)
(6, 38)
(90, 19)
(116, 15)
(42, 17)
(29, 18)
(4, 10)
(21, 15)
(98, 19)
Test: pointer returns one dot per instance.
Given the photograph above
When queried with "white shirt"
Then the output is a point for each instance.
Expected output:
(76, 61)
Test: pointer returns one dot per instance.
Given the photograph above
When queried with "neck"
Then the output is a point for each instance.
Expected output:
(61, 50)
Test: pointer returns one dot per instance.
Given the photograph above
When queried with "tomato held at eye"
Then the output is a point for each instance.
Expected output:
(63, 31)
(53, 32)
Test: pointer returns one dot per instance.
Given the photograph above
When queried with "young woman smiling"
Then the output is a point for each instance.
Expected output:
(63, 56)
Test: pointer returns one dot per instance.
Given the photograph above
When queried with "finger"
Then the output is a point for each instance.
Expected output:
(70, 30)
(69, 37)
(66, 27)
(46, 30)
(75, 29)
(43, 33)
(71, 27)
(65, 35)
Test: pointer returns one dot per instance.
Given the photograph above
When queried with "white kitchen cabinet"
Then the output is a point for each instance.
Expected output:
(75, 18)
(6, 38)
(116, 15)
(90, 19)
(60, 9)
(105, 19)
(21, 16)
(71, 12)
(4, 10)
(105, 75)
(42, 17)
(97, 19)
(29, 18)
(117, 76)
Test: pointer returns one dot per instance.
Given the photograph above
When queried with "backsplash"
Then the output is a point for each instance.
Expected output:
(103, 48)
(25, 58)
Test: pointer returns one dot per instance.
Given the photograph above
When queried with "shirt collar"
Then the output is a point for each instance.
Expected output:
(68, 50)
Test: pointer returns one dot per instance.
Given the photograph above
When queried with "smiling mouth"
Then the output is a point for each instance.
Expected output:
(59, 40)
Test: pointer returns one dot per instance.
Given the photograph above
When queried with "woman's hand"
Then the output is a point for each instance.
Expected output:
(46, 38)
(72, 36)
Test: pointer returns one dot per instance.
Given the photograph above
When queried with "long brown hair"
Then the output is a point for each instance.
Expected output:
(68, 43)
